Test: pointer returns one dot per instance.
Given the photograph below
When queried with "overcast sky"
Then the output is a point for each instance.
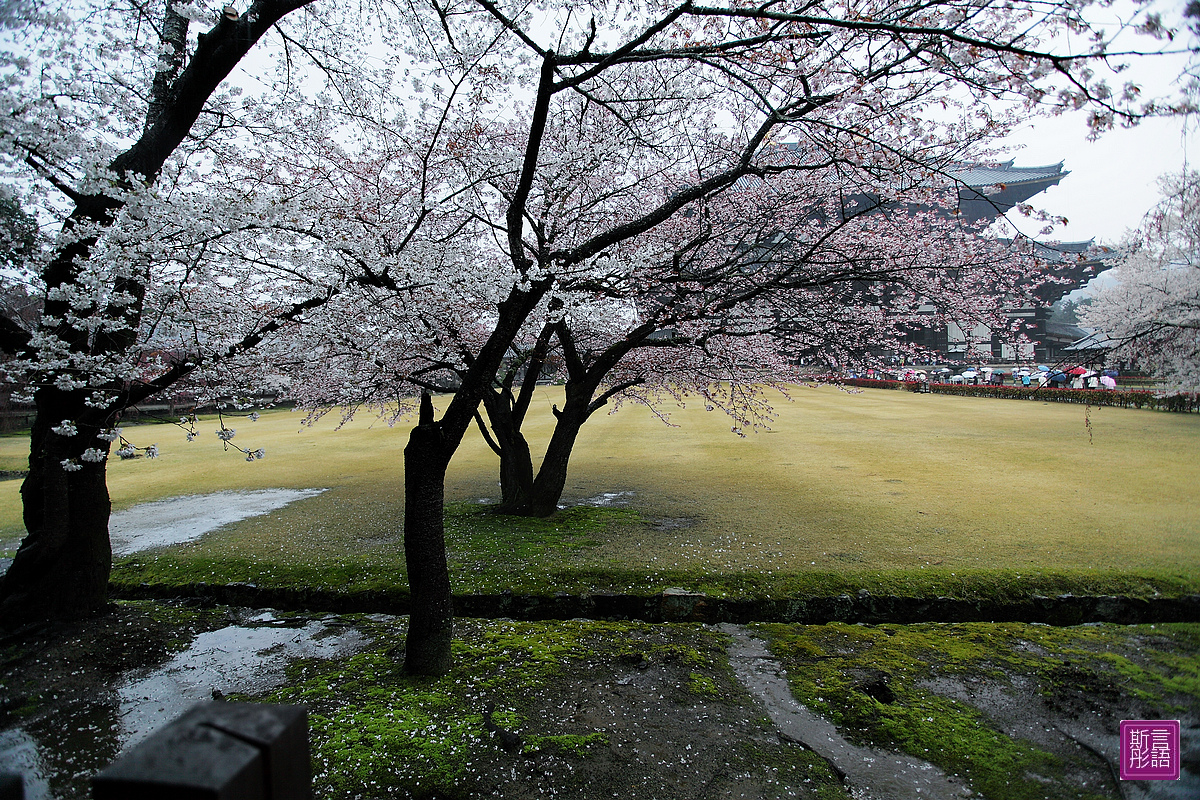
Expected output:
(1113, 180)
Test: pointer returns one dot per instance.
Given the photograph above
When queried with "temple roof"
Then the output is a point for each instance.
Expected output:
(979, 176)
(990, 191)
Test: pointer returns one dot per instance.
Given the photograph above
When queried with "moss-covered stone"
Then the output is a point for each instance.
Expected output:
(875, 682)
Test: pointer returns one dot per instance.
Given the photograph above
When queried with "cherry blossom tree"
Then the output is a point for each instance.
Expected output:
(1152, 307)
(757, 281)
(113, 121)
(600, 130)
(455, 174)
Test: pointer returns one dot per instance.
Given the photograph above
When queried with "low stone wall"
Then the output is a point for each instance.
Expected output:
(678, 605)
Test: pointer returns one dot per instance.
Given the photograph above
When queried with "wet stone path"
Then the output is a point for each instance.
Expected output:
(869, 773)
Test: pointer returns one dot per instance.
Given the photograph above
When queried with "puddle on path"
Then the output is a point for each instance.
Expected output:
(870, 774)
(250, 656)
(19, 755)
(176, 520)
(185, 519)
(238, 658)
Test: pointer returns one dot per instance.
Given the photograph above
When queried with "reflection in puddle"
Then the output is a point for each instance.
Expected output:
(184, 519)
(248, 660)
(606, 500)
(19, 754)
(64, 749)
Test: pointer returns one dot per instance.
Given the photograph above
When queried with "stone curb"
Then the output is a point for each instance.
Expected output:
(679, 605)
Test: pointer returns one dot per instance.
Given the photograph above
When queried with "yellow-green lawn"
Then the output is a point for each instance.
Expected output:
(878, 480)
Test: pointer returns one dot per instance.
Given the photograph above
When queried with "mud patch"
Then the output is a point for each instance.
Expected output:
(185, 519)
(663, 524)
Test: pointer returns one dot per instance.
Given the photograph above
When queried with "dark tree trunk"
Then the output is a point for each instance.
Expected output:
(516, 462)
(61, 569)
(431, 617)
(552, 477)
(516, 476)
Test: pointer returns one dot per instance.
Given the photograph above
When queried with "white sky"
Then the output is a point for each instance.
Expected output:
(1113, 180)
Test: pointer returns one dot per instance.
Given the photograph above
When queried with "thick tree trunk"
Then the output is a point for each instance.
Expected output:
(516, 462)
(516, 476)
(552, 477)
(431, 617)
(62, 567)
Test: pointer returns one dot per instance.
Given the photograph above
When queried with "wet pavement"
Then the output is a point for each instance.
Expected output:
(89, 731)
(655, 732)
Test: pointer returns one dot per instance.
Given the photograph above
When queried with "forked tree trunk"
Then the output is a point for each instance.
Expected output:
(552, 476)
(431, 616)
(62, 567)
(516, 477)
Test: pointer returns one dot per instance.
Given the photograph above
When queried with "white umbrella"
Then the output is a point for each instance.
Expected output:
(1109, 382)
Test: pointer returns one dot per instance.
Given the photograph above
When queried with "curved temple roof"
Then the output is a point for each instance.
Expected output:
(989, 191)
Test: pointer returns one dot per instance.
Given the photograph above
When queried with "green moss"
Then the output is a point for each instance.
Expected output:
(177, 568)
(868, 679)
(373, 726)
(702, 685)
(573, 744)
(493, 552)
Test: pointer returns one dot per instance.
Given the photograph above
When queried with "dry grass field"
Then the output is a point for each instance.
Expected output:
(871, 481)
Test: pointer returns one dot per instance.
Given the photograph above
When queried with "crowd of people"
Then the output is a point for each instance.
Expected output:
(1040, 375)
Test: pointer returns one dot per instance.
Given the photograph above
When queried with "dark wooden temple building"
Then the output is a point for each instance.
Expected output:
(986, 193)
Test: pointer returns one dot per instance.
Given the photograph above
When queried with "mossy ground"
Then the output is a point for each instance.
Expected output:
(647, 711)
(490, 553)
(991, 701)
(601, 708)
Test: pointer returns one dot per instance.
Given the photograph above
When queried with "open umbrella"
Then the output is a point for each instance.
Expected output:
(969, 373)
(1076, 370)
(1108, 381)
(1043, 368)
